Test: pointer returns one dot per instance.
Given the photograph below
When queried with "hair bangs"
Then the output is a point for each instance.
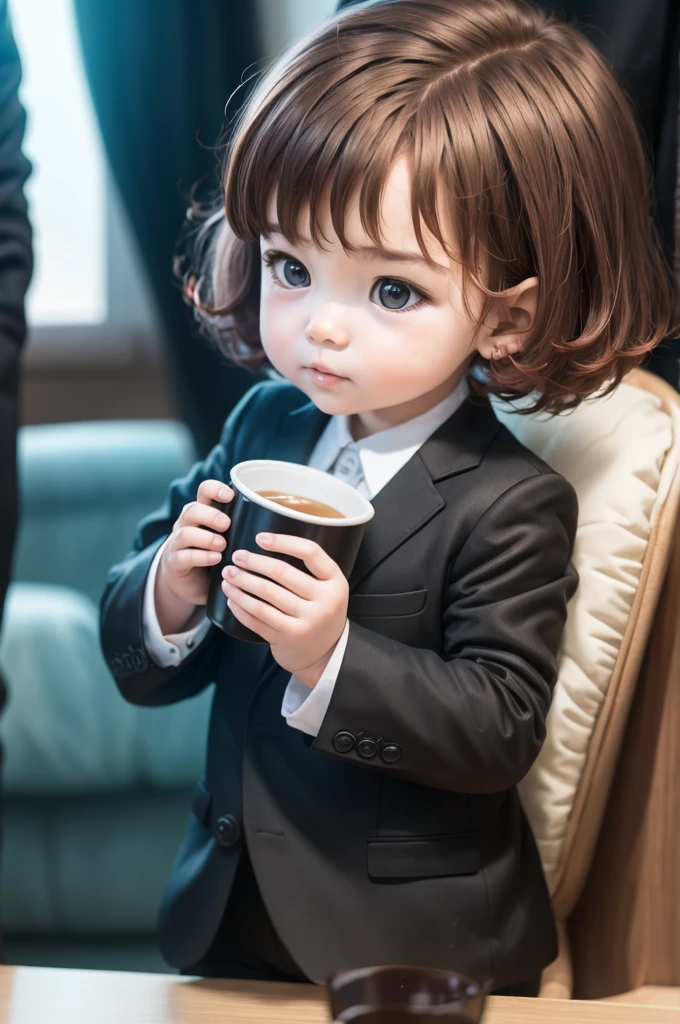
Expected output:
(322, 157)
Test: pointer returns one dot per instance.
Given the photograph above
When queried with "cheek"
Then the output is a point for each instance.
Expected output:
(429, 349)
(276, 327)
(266, 310)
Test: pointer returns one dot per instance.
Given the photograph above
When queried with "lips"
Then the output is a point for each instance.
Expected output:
(320, 368)
(324, 378)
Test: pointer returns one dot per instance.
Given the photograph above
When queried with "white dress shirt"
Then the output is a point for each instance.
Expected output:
(382, 456)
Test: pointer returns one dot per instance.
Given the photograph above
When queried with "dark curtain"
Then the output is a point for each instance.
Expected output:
(161, 72)
(641, 41)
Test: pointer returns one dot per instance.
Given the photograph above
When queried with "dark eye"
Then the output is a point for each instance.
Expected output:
(394, 294)
(295, 274)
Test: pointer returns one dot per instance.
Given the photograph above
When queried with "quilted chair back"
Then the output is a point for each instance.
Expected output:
(622, 455)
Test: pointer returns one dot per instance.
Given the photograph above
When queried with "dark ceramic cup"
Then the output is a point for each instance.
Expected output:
(405, 995)
(251, 514)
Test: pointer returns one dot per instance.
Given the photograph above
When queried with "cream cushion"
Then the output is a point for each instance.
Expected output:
(619, 455)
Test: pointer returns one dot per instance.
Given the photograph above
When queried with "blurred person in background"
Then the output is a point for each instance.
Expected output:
(641, 41)
(15, 272)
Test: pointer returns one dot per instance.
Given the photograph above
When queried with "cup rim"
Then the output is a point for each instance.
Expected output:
(291, 513)
(336, 983)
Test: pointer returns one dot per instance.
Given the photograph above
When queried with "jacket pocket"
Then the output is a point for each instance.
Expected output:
(424, 857)
(386, 605)
(201, 802)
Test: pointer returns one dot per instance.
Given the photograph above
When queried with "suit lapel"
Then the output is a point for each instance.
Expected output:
(410, 499)
(405, 503)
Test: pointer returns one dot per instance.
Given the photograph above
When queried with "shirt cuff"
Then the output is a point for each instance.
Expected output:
(305, 709)
(167, 651)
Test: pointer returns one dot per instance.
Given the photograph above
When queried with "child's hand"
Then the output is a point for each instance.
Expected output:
(183, 577)
(300, 616)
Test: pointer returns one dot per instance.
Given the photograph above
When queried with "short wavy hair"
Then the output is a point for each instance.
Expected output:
(509, 113)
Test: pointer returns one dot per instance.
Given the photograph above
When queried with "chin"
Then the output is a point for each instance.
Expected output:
(327, 400)
(329, 404)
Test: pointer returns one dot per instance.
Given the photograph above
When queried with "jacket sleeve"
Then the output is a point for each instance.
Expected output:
(138, 677)
(472, 720)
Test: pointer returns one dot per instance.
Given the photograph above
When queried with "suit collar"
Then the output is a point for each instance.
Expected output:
(461, 441)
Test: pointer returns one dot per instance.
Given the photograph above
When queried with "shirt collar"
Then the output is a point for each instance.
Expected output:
(384, 453)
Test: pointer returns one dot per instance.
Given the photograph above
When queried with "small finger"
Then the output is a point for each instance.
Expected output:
(195, 537)
(265, 613)
(196, 514)
(186, 559)
(314, 557)
(265, 589)
(298, 582)
(250, 622)
(214, 490)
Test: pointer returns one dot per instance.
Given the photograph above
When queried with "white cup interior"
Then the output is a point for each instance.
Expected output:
(291, 478)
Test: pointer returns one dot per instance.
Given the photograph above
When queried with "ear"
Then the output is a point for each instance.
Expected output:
(507, 323)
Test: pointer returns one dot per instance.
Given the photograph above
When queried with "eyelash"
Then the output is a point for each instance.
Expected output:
(272, 256)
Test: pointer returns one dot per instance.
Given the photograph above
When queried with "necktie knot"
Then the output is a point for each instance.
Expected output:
(348, 466)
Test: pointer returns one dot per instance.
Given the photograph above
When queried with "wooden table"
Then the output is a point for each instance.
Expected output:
(37, 995)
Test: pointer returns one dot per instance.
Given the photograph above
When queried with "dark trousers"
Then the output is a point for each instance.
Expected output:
(247, 944)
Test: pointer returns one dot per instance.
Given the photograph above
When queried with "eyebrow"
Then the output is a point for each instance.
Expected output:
(373, 252)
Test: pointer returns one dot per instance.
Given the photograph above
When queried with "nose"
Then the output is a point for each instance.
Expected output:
(327, 325)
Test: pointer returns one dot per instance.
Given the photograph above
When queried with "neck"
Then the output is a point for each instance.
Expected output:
(363, 424)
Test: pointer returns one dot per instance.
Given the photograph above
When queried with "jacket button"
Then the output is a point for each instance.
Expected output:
(390, 752)
(343, 742)
(367, 747)
(228, 830)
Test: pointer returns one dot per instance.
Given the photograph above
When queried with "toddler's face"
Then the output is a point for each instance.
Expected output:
(394, 333)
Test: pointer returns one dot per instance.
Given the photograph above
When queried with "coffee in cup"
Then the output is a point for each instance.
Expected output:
(308, 505)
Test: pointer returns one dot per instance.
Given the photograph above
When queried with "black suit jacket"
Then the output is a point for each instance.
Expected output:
(413, 848)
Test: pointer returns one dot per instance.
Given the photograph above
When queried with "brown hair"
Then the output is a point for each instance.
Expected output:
(507, 113)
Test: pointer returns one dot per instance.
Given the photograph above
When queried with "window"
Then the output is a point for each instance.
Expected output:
(283, 22)
(89, 299)
(66, 189)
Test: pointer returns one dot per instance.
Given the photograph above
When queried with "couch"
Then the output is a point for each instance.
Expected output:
(93, 806)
